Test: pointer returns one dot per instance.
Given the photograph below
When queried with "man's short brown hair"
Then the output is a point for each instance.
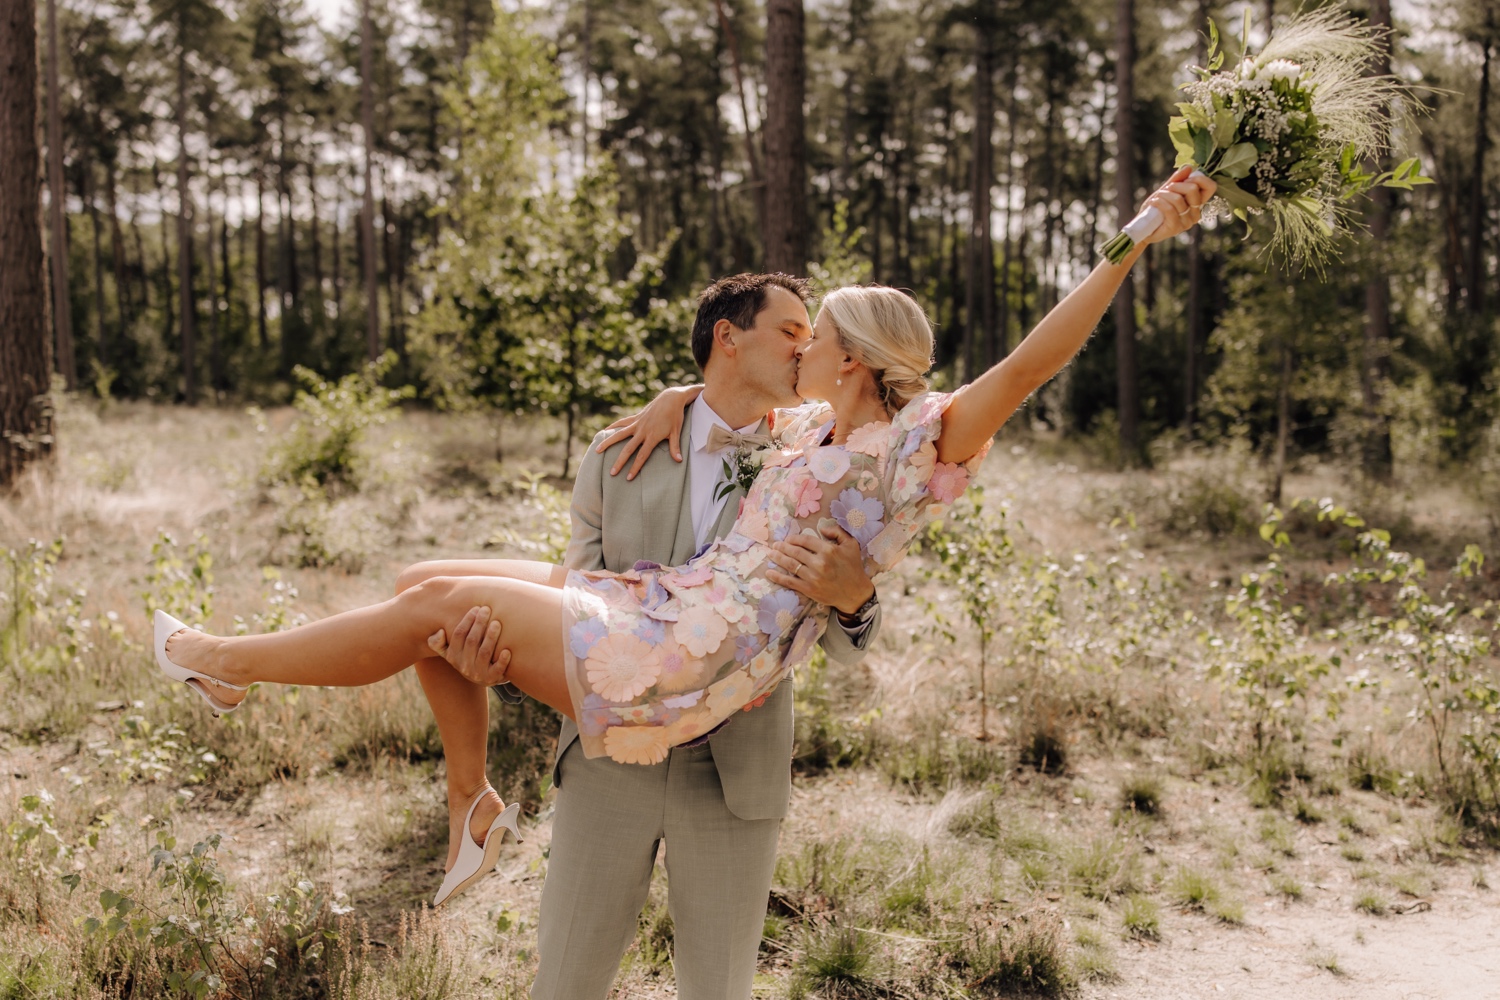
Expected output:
(738, 298)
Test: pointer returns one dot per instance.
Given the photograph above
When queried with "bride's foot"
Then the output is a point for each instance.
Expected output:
(479, 824)
(198, 651)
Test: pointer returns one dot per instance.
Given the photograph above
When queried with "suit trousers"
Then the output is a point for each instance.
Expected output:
(610, 819)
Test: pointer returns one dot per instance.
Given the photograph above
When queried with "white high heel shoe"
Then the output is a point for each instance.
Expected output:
(474, 862)
(166, 627)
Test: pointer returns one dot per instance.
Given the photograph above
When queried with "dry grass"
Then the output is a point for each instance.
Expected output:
(917, 860)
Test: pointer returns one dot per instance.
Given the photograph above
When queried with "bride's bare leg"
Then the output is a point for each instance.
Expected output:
(369, 644)
(462, 707)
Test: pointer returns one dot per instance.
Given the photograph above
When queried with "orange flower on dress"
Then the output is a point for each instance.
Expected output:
(729, 694)
(637, 744)
(621, 667)
(680, 671)
(754, 524)
(873, 439)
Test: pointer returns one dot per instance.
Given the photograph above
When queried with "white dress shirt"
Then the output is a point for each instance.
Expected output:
(706, 469)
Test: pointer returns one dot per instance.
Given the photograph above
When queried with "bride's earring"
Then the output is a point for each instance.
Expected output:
(838, 381)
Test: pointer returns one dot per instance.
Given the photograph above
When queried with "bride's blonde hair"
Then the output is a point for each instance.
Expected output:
(887, 332)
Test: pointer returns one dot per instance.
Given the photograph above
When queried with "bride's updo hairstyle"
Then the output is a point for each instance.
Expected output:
(887, 332)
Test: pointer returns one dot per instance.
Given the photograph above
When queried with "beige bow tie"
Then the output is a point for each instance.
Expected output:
(720, 437)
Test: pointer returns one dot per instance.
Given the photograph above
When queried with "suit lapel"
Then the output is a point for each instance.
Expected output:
(664, 501)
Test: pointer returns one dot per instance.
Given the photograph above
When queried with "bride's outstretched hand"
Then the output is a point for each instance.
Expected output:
(660, 421)
(1180, 201)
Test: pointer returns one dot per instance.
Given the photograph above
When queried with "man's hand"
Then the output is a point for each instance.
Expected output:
(475, 649)
(826, 568)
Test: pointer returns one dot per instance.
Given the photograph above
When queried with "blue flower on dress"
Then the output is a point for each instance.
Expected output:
(583, 635)
(858, 514)
(912, 443)
(655, 596)
(745, 648)
(650, 630)
(594, 716)
(778, 612)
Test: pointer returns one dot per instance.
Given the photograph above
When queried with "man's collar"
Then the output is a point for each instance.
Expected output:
(704, 418)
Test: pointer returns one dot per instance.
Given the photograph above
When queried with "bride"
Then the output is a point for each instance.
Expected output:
(660, 656)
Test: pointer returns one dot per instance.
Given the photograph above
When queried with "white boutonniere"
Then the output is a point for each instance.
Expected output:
(740, 470)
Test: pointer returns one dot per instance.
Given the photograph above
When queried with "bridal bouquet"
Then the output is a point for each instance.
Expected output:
(1285, 132)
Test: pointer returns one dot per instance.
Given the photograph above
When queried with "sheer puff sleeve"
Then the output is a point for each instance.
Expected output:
(919, 488)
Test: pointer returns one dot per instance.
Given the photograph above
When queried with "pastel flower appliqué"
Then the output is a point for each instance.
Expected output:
(922, 461)
(637, 744)
(679, 670)
(828, 465)
(729, 694)
(873, 439)
(700, 630)
(638, 714)
(754, 524)
(806, 494)
(583, 635)
(888, 547)
(858, 514)
(621, 667)
(947, 482)
(690, 578)
(778, 612)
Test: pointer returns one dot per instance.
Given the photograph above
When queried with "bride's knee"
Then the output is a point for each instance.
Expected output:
(414, 574)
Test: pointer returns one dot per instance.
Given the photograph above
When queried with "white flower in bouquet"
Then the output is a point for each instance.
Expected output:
(1284, 132)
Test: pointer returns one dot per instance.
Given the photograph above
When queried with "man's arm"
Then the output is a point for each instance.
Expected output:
(828, 568)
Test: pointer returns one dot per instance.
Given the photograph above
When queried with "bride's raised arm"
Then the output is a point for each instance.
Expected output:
(980, 408)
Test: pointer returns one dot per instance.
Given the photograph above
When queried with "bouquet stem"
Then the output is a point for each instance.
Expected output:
(1137, 229)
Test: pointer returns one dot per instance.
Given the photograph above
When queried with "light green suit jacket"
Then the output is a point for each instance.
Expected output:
(618, 522)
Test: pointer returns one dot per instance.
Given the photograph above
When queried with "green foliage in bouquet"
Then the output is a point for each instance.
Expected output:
(1286, 132)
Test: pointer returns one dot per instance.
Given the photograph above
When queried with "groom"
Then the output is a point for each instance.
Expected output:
(718, 803)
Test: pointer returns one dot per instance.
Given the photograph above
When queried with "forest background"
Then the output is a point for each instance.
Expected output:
(521, 201)
(1129, 730)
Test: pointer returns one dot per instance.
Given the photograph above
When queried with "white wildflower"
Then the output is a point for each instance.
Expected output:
(1247, 69)
(1280, 69)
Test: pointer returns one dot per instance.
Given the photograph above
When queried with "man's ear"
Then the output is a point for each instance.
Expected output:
(725, 333)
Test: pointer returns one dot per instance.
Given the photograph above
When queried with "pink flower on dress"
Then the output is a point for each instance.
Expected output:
(867, 482)
(690, 578)
(778, 458)
(755, 525)
(828, 465)
(700, 630)
(805, 493)
(622, 667)
(873, 439)
(637, 744)
(947, 482)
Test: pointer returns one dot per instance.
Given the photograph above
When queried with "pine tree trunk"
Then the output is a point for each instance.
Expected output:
(367, 218)
(317, 242)
(25, 355)
(124, 306)
(90, 195)
(215, 360)
(757, 182)
(1476, 210)
(185, 233)
(784, 232)
(979, 285)
(263, 338)
(1377, 327)
(1126, 388)
(57, 200)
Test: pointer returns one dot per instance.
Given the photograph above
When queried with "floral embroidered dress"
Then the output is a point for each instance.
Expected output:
(657, 657)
